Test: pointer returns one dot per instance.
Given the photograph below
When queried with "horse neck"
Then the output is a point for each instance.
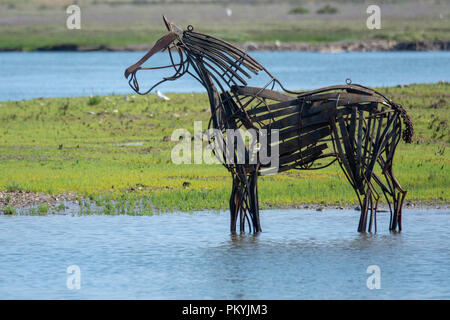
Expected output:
(213, 93)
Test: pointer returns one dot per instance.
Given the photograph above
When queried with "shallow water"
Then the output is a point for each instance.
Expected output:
(68, 74)
(300, 254)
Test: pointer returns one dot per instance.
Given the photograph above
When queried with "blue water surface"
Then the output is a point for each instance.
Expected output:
(301, 254)
(25, 75)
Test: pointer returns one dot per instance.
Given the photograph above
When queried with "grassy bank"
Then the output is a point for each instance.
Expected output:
(118, 147)
(30, 25)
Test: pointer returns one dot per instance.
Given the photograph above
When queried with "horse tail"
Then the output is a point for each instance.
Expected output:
(408, 132)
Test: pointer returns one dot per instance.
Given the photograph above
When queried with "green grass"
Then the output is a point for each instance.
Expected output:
(299, 10)
(43, 209)
(13, 187)
(94, 101)
(58, 145)
(9, 210)
(327, 9)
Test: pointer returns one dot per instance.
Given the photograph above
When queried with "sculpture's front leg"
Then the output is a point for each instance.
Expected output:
(244, 199)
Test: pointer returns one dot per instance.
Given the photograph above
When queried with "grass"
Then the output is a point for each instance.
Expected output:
(43, 209)
(9, 210)
(103, 24)
(13, 187)
(65, 144)
(327, 10)
(299, 10)
(94, 101)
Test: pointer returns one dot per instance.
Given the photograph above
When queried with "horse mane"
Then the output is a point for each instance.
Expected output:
(227, 61)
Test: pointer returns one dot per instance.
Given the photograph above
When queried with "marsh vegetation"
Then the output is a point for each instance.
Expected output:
(115, 154)
(40, 24)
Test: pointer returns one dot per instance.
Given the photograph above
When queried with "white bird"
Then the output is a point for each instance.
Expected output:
(161, 95)
(229, 12)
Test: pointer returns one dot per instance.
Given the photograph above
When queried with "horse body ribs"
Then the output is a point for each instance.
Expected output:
(306, 125)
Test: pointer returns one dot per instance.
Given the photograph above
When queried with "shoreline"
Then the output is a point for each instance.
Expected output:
(22, 202)
(330, 47)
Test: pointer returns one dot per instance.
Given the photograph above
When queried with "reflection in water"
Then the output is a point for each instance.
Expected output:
(308, 267)
(300, 255)
(242, 238)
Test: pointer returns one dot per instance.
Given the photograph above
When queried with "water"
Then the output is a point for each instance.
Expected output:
(69, 74)
(300, 255)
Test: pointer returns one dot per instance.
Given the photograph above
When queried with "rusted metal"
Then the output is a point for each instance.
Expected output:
(354, 125)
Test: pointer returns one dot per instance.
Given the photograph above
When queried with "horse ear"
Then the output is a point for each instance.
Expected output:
(166, 22)
(172, 27)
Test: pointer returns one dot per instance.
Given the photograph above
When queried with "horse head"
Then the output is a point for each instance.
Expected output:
(169, 41)
(207, 56)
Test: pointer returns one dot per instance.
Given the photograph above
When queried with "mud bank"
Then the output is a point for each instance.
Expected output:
(349, 46)
(24, 202)
(341, 46)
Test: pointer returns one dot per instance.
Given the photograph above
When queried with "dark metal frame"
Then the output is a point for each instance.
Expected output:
(352, 124)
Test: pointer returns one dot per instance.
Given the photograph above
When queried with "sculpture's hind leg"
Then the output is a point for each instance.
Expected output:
(254, 202)
(244, 199)
(398, 197)
(394, 195)
(359, 139)
(355, 152)
(391, 188)
(369, 205)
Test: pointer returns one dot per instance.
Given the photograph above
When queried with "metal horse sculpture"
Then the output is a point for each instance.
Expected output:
(355, 125)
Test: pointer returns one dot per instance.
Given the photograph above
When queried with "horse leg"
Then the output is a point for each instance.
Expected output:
(234, 205)
(244, 199)
(392, 187)
(237, 203)
(254, 203)
(378, 142)
(345, 145)
(399, 197)
(364, 209)
(371, 200)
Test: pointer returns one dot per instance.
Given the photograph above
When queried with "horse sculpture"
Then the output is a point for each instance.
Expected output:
(354, 125)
